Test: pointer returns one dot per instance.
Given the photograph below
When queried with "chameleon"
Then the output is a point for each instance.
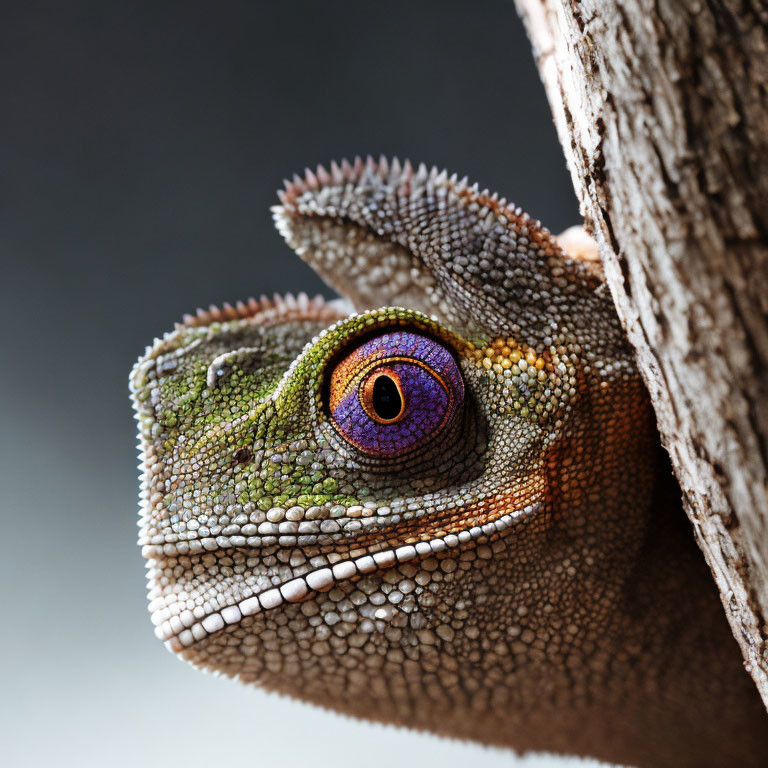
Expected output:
(439, 501)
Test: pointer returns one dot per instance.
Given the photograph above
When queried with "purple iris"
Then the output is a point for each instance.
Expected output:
(395, 392)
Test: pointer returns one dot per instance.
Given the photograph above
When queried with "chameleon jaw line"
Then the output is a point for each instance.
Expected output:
(184, 630)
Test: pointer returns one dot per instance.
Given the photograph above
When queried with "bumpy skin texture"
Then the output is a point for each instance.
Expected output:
(508, 565)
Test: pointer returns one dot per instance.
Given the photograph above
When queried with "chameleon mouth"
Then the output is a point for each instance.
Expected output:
(182, 630)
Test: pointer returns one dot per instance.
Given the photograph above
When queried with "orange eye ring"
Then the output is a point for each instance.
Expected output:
(371, 391)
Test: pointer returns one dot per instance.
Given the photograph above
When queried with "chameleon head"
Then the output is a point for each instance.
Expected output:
(353, 506)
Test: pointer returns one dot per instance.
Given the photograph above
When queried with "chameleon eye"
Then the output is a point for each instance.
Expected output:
(394, 393)
(382, 396)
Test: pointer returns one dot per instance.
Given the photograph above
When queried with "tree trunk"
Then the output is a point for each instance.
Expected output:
(662, 109)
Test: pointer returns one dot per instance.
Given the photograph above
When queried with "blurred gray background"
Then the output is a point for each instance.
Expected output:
(140, 148)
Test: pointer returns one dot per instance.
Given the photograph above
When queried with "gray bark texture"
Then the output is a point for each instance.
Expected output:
(662, 110)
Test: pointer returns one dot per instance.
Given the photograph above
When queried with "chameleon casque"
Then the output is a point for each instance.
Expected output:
(441, 501)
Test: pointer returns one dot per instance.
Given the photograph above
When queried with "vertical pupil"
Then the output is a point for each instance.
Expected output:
(386, 399)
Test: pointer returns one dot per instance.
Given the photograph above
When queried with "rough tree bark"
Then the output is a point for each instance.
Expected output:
(662, 109)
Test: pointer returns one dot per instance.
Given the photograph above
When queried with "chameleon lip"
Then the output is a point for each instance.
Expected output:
(183, 629)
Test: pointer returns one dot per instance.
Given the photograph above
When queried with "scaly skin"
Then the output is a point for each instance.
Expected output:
(517, 571)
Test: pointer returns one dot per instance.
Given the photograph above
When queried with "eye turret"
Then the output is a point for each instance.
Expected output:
(394, 393)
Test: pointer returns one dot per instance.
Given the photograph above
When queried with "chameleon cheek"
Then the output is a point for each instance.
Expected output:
(395, 393)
